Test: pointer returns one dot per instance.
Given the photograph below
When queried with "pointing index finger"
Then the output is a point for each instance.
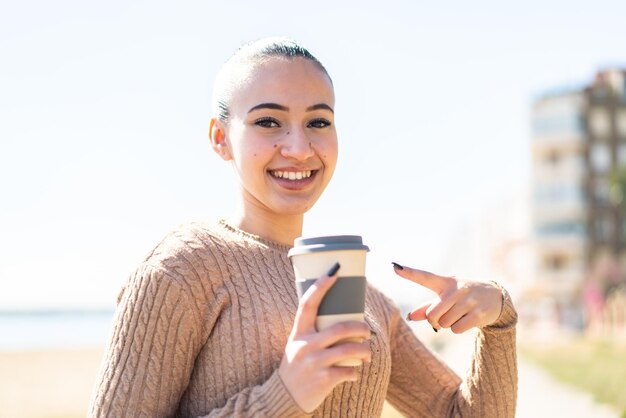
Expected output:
(424, 278)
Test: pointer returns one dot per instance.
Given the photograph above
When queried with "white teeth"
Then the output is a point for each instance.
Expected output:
(292, 175)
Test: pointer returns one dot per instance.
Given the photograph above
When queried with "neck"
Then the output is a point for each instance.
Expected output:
(283, 229)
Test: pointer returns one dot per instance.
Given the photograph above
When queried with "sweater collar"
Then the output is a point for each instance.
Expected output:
(252, 237)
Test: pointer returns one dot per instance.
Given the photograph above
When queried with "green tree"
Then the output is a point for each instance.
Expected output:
(617, 187)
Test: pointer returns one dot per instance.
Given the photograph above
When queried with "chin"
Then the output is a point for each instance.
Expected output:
(294, 208)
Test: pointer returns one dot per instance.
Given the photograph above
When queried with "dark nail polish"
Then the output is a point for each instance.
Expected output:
(333, 270)
(408, 317)
(398, 266)
(435, 329)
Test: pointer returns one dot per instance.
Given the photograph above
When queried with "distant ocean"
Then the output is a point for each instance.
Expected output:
(54, 329)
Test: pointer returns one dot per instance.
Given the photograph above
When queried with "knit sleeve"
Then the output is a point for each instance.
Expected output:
(422, 385)
(152, 349)
(158, 332)
(269, 400)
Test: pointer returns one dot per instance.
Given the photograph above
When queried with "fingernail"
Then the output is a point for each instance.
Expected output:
(435, 329)
(397, 266)
(408, 317)
(333, 270)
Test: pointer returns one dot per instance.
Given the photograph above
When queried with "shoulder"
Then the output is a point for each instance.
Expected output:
(187, 257)
(190, 247)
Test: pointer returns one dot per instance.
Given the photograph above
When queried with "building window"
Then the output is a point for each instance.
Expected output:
(555, 262)
(599, 92)
(601, 190)
(558, 124)
(553, 158)
(563, 228)
(558, 193)
(599, 122)
(604, 228)
(559, 115)
(621, 153)
(600, 156)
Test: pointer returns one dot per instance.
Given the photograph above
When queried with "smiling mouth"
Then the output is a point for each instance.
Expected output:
(292, 175)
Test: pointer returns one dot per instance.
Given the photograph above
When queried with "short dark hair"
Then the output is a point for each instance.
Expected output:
(254, 53)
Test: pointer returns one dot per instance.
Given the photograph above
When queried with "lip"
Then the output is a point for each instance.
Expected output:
(291, 168)
(294, 184)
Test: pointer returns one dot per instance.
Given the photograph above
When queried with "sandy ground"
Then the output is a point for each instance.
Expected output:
(55, 383)
(47, 384)
(58, 384)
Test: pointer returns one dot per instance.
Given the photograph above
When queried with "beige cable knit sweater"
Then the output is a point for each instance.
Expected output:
(201, 326)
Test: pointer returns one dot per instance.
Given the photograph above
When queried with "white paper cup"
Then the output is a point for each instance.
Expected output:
(345, 300)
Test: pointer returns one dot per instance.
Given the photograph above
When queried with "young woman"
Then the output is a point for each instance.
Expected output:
(210, 324)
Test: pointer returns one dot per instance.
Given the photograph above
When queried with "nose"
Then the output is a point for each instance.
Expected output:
(297, 145)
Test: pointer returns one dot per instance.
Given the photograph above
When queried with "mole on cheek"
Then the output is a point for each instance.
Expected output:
(275, 145)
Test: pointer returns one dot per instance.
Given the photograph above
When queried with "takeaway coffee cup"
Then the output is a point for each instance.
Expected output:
(345, 300)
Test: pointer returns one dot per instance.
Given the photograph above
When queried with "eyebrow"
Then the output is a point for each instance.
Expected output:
(277, 106)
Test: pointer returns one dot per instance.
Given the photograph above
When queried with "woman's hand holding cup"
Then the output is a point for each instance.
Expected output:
(308, 368)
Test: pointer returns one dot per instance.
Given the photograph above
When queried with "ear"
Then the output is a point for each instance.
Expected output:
(217, 136)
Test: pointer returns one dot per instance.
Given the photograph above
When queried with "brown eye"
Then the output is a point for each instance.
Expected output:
(319, 123)
(267, 122)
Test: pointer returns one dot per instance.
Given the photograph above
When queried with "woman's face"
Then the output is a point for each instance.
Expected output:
(281, 136)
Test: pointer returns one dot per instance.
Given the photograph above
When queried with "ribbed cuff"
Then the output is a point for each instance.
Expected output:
(508, 314)
(280, 403)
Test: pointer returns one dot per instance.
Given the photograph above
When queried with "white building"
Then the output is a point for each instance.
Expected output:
(579, 138)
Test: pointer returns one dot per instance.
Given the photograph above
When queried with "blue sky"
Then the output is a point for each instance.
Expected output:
(104, 110)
